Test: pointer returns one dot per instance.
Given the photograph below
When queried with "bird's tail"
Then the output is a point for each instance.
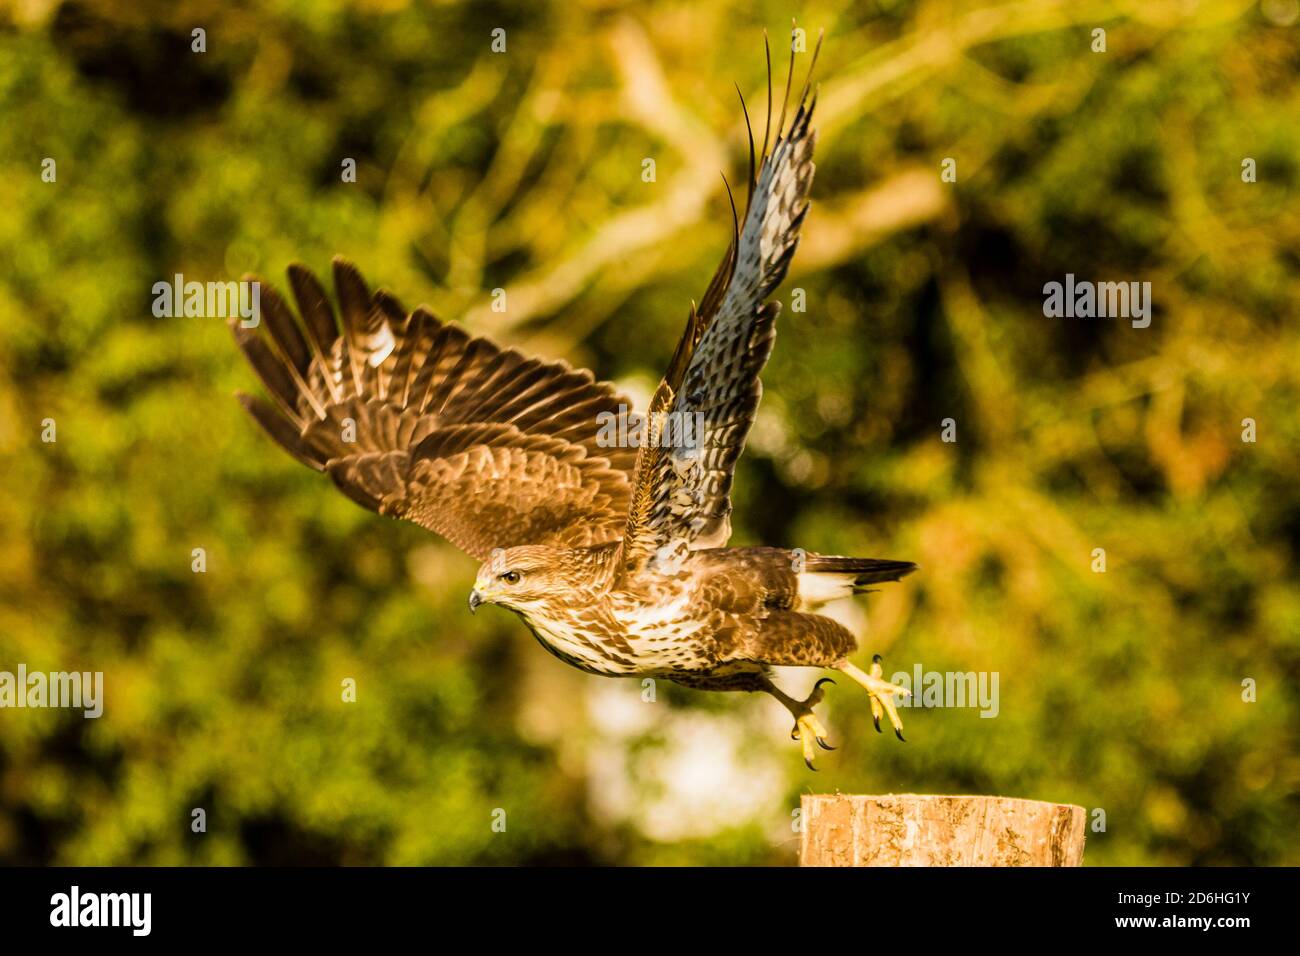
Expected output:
(863, 571)
(823, 578)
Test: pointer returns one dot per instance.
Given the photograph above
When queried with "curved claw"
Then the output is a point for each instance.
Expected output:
(824, 680)
(821, 742)
(794, 732)
(881, 692)
(808, 761)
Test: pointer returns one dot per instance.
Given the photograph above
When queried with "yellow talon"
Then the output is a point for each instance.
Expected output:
(810, 732)
(882, 692)
(808, 729)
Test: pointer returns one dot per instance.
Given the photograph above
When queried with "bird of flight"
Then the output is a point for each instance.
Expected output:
(614, 556)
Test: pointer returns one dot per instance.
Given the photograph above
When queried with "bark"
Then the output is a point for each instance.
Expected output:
(929, 830)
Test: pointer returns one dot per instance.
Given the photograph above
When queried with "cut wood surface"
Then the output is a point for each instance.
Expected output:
(910, 829)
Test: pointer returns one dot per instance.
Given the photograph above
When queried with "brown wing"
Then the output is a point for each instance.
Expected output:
(413, 417)
(682, 494)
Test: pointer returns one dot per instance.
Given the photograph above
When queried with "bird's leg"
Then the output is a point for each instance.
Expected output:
(882, 692)
(807, 728)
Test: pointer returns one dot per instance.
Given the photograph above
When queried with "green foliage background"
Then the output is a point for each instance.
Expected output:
(1119, 691)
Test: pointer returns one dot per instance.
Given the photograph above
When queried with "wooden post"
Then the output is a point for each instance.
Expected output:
(926, 830)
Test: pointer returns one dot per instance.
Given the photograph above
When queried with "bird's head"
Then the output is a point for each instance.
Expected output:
(522, 579)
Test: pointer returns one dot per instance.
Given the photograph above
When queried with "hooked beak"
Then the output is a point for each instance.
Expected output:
(475, 599)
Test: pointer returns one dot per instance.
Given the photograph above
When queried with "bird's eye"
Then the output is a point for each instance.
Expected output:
(510, 577)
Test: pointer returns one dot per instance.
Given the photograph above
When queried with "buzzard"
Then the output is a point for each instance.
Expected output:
(613, 554)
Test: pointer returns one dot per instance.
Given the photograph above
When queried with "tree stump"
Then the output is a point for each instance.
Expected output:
(926, 830)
